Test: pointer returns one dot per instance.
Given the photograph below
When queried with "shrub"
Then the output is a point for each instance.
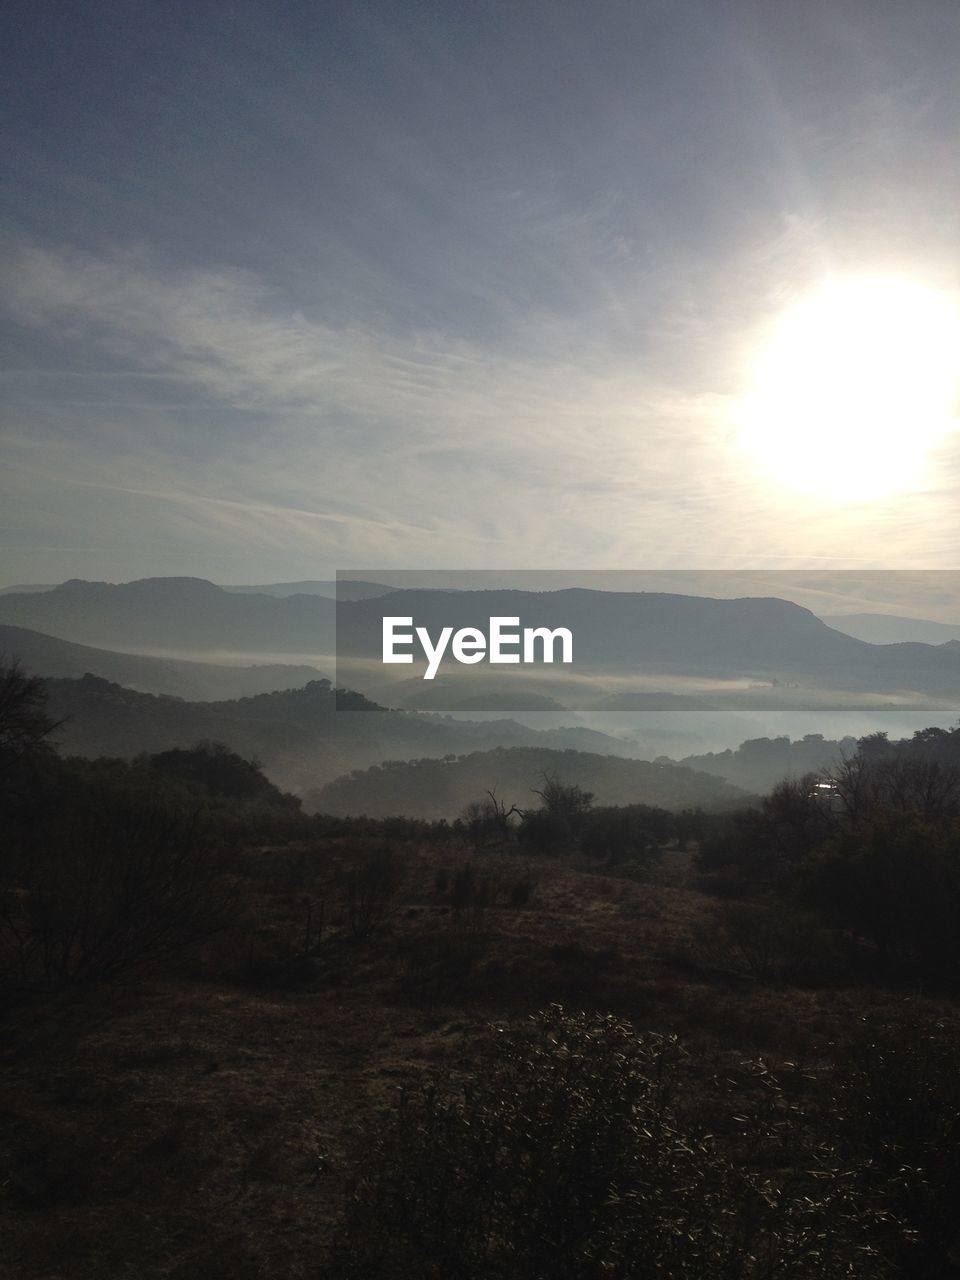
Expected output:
(895, 881)
(218, 771)
(629, 832)
(571, 1153)
(113, 877)
(773, 943)
(25, 727)
(897, 1102)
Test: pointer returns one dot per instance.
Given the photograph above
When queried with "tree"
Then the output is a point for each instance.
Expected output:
(214, 768)
(488, 820)
(630, 831)
(906, 781)
(564, 800)
(25, 727)
(895, 881)
(113, 873)
(558, 823)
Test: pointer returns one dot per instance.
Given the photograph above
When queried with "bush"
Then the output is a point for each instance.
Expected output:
(554, 828)
(773, 943)
(544, 832)
(630, 832)
(114, 877)
(895, 881)
(25, 727)
(218, 771)
(897, 1102)
(571, 1153)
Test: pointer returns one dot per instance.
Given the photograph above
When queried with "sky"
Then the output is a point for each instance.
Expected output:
(290, 287)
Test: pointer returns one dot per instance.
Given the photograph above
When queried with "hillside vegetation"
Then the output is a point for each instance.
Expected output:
(441, 788)
(583, 1041)
(304, 737)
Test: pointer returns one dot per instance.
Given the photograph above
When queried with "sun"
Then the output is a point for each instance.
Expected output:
(855, 387)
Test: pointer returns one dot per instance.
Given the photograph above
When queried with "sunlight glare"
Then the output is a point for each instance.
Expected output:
(855, 388)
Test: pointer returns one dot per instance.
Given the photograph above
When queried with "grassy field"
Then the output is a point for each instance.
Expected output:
(206, 1122)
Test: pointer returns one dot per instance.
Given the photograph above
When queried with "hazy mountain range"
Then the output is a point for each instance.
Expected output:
(176, 615)
(645, 652)
(885, 628)
(769, 652)
(45, 655)
(303, 737)
(341, 589)
(703, 652)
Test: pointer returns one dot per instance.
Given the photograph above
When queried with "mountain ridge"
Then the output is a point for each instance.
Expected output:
(754, 638)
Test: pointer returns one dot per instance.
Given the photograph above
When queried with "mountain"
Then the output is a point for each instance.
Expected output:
(885, 628)
(302, 737)
(441, 788)
(43, 655)
(341, 589)
(157, 615)
(621, 629)
(763, 643)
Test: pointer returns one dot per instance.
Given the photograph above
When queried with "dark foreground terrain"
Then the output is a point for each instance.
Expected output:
(244, 1042)
(213, 1121)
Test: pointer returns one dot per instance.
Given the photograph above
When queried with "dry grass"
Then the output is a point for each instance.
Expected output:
(203, 1124)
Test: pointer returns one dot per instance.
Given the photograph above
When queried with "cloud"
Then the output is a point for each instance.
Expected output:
(263, 434)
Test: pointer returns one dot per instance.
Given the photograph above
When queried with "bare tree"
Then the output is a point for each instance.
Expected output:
(489, 820)
(25, 727)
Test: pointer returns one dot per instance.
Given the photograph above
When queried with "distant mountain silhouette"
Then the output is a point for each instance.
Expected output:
(202, 681)
(764, 639)
(624, 628)
(341, 589)
(175, 614)
(884, 628)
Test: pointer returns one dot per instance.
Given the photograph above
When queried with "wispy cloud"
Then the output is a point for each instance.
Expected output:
(360, 444)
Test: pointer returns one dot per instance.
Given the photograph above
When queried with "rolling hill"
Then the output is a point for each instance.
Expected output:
(44, 655)
(303, 737)
(885, 628)
(436, 789)
(616, 634)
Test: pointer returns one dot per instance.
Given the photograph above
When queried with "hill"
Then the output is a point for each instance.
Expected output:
(884, 628)
(436, 789)
(760, 763)
(157, 615)
(782, 652)
(340, 589)
(303, 737)
(44, 655)
(695, 634)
